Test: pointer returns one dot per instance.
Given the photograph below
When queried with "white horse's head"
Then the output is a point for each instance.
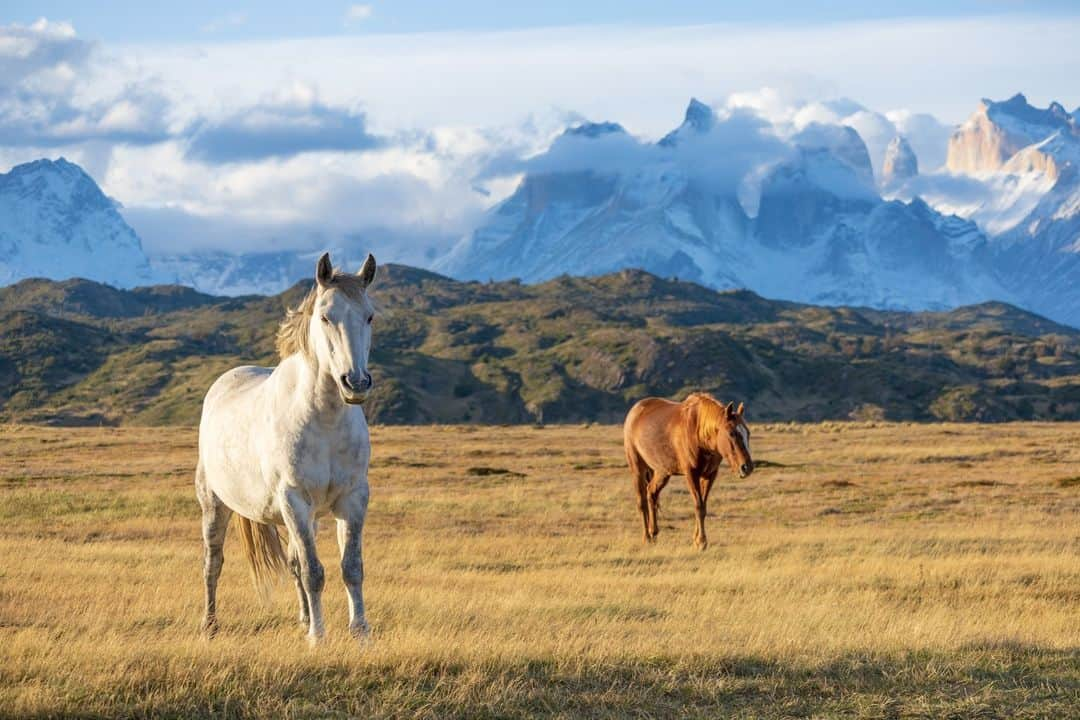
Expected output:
(339, 329)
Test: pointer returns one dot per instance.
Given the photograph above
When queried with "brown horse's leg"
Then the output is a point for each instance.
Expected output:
(643, 500)
(641, 473)
(657, 484)
(705, 483)
(692, 481)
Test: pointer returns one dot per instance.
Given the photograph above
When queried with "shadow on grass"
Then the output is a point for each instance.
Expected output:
(986, 681)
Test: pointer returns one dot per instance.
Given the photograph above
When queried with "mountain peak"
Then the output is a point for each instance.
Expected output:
(900, 162)
(56, 222)
(1017, 107)
(58, 179)
(699, 116)
(998, 130)
(595, 129)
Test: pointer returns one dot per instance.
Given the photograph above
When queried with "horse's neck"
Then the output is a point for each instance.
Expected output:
(313, 390)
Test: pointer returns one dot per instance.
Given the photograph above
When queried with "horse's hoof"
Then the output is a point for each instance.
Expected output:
(360, 631)
(209, 628)
(315, 640)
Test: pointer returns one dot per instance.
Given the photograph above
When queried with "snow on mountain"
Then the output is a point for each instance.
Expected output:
(1003, 160)
(725, 199)
(996, 131)
(590, 223)
(55, 222)
(827, 237)
(1016, 172)
(821, 231)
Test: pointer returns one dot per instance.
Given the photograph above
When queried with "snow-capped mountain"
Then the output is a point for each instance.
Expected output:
(590, 222)
(998, 131)
(821, 232)
(727, 199)
(55, 222)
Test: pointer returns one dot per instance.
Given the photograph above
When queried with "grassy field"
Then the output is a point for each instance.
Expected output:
(865, 570)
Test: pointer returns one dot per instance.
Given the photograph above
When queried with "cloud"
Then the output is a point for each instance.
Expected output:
(610, 149)
(737, 147)
(42, 48)
(403, 195)
(876, 130)
(274, 131)
(358, 13)
(928, 136)
(169, 231)
(225, 22)
(724, 157)
(43, 67)
(423, 125)
(134, 116)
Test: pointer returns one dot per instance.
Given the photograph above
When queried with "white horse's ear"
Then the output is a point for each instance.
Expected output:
(324, 271)
(367, 270)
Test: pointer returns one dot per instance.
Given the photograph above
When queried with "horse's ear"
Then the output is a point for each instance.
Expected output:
(729, 411)
(739, 410)
(324, 271)
(367, 270)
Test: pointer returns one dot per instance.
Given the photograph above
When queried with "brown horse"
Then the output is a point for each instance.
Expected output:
(691, 438)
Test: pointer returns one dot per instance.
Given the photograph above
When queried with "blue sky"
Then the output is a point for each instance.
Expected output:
(141, 22)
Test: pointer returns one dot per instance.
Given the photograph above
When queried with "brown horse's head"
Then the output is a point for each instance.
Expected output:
(725, 431)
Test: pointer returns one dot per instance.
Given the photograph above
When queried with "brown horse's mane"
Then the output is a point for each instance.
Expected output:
(710, 415)
(292, 334)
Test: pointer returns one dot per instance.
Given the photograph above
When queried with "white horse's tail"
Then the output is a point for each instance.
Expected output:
(265, 556)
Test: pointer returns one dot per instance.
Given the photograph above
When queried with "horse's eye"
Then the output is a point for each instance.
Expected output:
(370, 318)
(325, 319)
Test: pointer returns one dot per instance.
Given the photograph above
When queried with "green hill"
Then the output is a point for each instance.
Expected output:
(572, 349)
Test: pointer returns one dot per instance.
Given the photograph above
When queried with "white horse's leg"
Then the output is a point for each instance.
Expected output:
(301, 596)
(350, 515)
(215, 522)
(298, 518)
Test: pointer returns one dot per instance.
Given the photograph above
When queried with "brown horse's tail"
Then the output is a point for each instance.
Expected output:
(264, 553)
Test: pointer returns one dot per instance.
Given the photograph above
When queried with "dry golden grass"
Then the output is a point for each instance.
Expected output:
(863, 571)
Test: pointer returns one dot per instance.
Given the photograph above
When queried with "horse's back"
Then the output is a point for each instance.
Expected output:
(647, 433)
(238, 381)
(648, 411)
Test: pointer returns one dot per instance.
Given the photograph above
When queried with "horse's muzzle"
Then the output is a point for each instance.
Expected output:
(355, 386)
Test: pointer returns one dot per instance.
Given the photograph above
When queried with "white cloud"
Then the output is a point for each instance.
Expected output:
(44, 69)
(928, 136)
(357, 13)
(641, 77)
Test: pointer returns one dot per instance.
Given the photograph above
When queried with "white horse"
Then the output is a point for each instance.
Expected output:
(284, 445)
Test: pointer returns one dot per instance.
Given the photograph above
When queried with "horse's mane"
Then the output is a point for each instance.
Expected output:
(710, 414)
(292, 334)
